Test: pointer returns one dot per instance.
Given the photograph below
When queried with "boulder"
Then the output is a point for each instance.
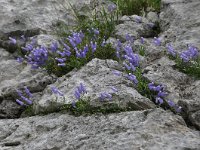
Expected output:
(150, 129)
(97, 77)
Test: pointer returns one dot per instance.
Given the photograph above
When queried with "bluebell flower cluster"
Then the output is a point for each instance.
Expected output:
(170, 50)
(13, 40)
(157, 41)
(111, 8)
(80, 90)
(105, 95)
(56, 91)
(37, 57)
(23, 100)
(138, 19)
(160, 96)
(159, 89)
(189, 54)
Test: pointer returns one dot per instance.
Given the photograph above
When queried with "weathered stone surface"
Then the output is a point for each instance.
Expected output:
(151, 129)
(97, 77)
(14, 76)
(4, 55)
(135, 27)
(191, 103)
(181, 19)
(32, 17)
(152, 17)
(152, 52)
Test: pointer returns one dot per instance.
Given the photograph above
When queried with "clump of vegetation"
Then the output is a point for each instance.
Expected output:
(130, 7)
(187, 61)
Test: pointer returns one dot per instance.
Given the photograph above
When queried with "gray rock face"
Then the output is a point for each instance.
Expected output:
(98, 77)
(135, 26)
(20, 17)
(151, 129)
(14, 76)
(181, 18)
(153, 17)
(191, 103)
(148, 128)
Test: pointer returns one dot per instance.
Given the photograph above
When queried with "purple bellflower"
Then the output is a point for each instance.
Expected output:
(111, 8)
(105, 95)
(56, 91)
(80, 91)
(157, 41)
(12, 40)
(171, 50)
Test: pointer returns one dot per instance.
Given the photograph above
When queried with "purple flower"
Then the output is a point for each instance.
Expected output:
(178, 109)
(171, 50)
(127, 66)
(162, 94)
(56, 91)
(114, 89)
(28, 92)
(157, 41)
(23, 38)
(26, 100)
(159, 100)
(189, 54)
(12, 40)
(153, 87)
(37, 57)
(111, 8)
(105, 95)
(130, 38)
(80, 90)
(77, 95)
(171, 103)
(117, 73)
(184, 57)
(20, 102)
(54, 46)
(142, 40)
(96, 31)
(138, 19)
(150, 25)
(132, 78)
(93, 46)
(63, 54)
(72, 42)
(119, 45)
(192, 51)
(19, 92)
(103, 43)
(20, 59)
(60, 60)
(29, 47)
(67, 52)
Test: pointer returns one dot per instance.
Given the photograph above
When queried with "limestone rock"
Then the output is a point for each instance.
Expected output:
(15, 76)
(97, 77)
(150, 129)
(182, 18)
(152, 17)
(191, 103)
